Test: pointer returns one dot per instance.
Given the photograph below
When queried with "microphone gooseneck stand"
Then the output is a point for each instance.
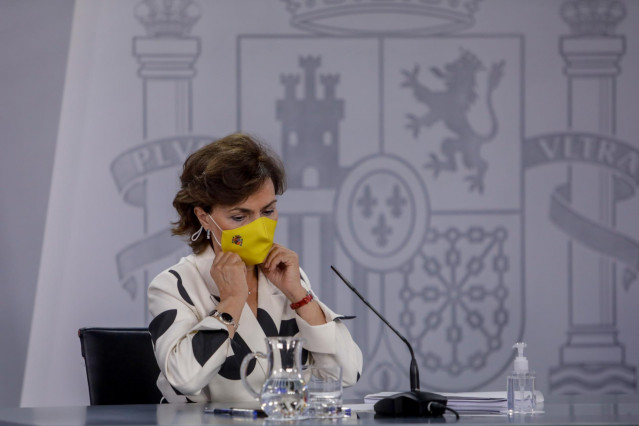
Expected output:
(416, 403)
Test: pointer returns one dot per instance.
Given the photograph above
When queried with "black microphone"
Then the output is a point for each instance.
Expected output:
(415, 403)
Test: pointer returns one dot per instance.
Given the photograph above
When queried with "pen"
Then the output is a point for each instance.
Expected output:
(238, 412)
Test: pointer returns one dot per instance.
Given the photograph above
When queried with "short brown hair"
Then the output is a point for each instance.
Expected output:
(224, 172)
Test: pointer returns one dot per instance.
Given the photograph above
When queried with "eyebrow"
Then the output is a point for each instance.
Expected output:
(245, 210)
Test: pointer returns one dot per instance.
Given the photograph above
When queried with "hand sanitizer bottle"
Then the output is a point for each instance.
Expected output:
(520, 385)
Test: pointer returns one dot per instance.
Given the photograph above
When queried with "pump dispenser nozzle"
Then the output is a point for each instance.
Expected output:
(521, 362)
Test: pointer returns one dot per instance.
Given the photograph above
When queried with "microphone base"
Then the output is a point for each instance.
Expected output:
(412, 404)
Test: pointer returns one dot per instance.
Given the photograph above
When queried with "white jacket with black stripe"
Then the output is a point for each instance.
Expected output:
(198, 361)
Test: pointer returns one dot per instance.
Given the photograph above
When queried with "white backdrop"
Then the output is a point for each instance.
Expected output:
(472, 165)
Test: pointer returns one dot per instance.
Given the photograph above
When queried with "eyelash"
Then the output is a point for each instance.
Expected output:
(241, 218)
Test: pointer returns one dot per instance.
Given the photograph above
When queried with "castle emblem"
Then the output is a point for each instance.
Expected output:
(310, 125)
(451, 107)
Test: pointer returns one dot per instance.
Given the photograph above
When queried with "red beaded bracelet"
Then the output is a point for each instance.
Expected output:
(304, 301)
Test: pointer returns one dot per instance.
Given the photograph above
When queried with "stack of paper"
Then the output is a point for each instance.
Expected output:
(466, 402)
(477, 402)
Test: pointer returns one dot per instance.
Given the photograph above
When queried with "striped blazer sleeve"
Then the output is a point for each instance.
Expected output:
(190, 348)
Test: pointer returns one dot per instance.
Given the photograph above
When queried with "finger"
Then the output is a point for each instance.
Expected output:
(273, 259)
(227, 265)
(276, 255)
(225, 258)
(220, 258)
(274, 247)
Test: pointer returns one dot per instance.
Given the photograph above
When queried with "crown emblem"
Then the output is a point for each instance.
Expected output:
(391, 17)
(593, 17)
(168, 18)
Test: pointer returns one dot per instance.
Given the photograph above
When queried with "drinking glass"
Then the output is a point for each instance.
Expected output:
(325, 391)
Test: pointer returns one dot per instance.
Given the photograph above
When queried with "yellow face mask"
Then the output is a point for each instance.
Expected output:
(252, 241)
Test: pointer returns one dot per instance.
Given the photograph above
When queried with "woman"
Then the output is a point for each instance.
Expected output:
(238, 287)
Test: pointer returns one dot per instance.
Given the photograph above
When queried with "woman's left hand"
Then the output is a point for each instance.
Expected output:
(282, 268)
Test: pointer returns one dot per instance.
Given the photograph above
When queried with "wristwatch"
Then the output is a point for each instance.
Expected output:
(224, 318)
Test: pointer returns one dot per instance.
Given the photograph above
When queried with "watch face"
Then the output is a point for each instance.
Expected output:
(226, 317)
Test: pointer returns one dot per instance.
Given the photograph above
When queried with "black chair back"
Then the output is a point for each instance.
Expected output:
(121, 367)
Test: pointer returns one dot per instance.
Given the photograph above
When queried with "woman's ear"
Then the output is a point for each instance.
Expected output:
(201, 216)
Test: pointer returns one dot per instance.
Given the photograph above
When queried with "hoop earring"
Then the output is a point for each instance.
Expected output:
(197, 234)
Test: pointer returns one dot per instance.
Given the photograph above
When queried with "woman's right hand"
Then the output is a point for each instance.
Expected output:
(229, 273)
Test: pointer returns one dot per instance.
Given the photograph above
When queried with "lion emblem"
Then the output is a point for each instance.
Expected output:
(451, 106)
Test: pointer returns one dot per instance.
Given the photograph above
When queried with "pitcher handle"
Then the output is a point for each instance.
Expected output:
(248, 358)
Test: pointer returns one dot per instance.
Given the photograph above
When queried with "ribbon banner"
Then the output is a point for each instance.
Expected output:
(621, 159)
(131, 167)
